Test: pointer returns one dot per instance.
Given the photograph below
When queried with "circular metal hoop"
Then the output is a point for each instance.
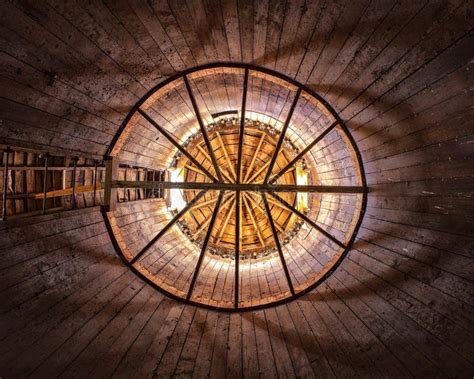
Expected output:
(269, 187)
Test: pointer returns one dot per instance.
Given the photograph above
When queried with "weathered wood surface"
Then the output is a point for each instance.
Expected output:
(399, 73)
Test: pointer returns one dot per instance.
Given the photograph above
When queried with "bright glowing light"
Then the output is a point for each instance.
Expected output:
(302, 179)
(176, 197)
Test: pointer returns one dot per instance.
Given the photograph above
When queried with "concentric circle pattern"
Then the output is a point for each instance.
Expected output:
(264, 188)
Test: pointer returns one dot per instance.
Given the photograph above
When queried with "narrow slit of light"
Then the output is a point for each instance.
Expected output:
(177, 201)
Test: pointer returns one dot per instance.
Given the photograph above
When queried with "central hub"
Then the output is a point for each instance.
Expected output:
(259, 144)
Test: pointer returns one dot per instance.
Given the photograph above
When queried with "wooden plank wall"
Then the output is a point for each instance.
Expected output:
(399, 73)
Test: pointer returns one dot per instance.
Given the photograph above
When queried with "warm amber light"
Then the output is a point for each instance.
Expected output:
(302, 179)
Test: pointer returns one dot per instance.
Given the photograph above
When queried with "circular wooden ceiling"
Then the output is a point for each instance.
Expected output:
(259, 142)
(262, 203)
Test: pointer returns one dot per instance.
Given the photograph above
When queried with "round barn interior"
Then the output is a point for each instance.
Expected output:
(237, 189)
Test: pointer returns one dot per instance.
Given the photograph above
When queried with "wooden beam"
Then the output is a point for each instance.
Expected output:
(204, 246)
(203, 128)
(110, 192)
(51, 168)
(56, 193)
(282, 135)
(6, 155)
(226, 154)
(73, 182)
(277, 243)
(308, 220)
(206, 155)
(226, 221)
(176, 144)
(259, 172)
(303, 152)
(252, 162)
(167, 227)
(262, 211)
(248, 187)
(254, 223)
(238, 231)
(242, 126)
(94, 196)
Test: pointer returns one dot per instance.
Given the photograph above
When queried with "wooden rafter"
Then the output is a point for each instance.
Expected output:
(226, 222)
(254, 157)
(238, 234)
(262, 211)
(209, 202)
(258, 173)
(206, 155)
(226, 155)
(207, 222)
(254, 223)
(242, 126)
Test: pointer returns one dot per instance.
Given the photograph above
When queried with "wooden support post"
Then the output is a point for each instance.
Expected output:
(125, 190)
(95, 184)
(145, 191)
(6, 155)
(73, 182)
(110, 193)
(45, 181)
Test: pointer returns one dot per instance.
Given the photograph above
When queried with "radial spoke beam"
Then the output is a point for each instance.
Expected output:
(252, 162)
(176, 144)
(226, 221)
(253, 201)
(247, 187)
(278, 245)
(227, 158)
(206, 155)
(282, 136)
(254, 222)
(258, 173)
(242, 126)
(207, 222)
(203, 128)
(303, 152)
(308, 220)
(237, 248)
(168, 226)
(204, 246)
(208, 202)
